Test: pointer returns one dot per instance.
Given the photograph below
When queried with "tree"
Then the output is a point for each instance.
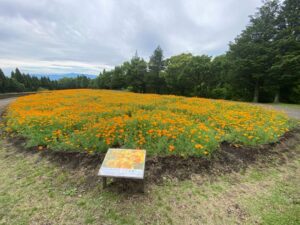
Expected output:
(118, 79)
(135, 71)
(155, 81)
(198, 71)
(252, 51)
(285, 71)
(17, 75)
(82, 81)
(176, 80)
(104, 80)
(3, 81)
(45, 82)
(15, 86)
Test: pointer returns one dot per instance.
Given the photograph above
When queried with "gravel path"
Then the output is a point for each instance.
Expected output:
(4, 103)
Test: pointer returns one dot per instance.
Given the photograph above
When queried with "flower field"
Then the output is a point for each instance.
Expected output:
(94, 120)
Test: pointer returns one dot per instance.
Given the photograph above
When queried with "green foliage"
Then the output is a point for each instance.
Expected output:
(69, 83)
(219, 93)
(198, 71)
(295, 94)
(176, 80)
(154, 80)
(266, 54)
(136, 71)
(3, 81)
(40, 89)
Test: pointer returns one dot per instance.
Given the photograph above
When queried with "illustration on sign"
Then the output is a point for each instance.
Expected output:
(126, 163)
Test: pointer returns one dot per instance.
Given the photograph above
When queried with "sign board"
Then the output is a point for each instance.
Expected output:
(123, 163)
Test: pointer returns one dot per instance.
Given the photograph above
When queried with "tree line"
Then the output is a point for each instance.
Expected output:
(262, 64)
(20, 82)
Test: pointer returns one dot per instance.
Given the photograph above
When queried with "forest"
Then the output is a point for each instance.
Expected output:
(261, 65)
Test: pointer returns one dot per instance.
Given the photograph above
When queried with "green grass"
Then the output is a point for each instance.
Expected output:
(33, 190)
(279, 206)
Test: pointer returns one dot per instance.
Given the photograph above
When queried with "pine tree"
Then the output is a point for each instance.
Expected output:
(155, 81)
(3, 81)
(135, 71)
(252, 52)
(285, 71)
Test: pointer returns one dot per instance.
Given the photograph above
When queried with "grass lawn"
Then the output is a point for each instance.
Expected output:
(33, 190)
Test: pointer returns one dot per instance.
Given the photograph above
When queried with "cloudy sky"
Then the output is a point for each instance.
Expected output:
(58, 36)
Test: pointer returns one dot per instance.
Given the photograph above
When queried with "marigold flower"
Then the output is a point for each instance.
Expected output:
(83, 118)
(198, 146)
(171, 148)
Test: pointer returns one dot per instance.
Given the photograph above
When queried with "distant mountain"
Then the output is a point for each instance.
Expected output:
(57, 76)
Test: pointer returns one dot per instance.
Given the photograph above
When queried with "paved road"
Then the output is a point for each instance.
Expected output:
(293, 111)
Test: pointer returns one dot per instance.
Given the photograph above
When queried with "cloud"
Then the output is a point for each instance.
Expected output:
(96, 34)
(35, 67)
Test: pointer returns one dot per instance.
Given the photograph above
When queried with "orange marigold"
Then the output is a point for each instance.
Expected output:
(171, 148)
(198, 146)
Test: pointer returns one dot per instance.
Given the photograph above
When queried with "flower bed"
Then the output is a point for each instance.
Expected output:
(94, 120)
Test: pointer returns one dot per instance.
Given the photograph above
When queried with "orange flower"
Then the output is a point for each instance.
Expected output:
(100, 118)
(198, 146)
(171, 148)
